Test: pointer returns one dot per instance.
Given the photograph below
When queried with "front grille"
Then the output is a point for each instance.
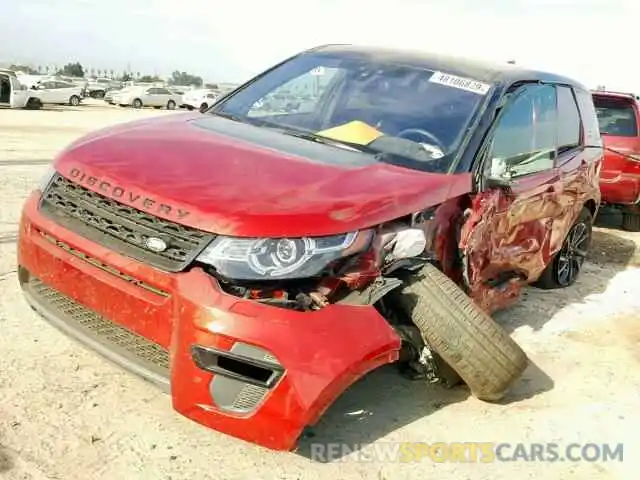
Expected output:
(119, 227)
(120, 344)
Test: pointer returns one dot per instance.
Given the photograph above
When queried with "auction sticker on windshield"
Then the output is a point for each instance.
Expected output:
(462, 83)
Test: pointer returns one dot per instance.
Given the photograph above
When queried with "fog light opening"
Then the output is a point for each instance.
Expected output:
(238, 367)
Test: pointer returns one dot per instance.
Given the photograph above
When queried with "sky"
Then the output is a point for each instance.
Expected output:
(592, 41)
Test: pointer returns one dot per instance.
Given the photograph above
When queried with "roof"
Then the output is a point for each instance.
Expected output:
(605, 93)
(478, 70)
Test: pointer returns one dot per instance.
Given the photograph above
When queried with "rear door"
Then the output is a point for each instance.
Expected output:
(150, 97)
(164, 95)
(509, 234)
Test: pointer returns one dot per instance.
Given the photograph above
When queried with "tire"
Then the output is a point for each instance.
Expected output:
(33, 104)
(203, 107)
(190, 108)
(569, 254)
(171, 105)
(74, 101)
(631, 221)
(137, 103)
(479, 350)
(98, 94)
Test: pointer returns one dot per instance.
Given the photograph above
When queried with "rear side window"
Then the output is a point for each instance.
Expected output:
(616, 116)
(589, 118)
(568, 120)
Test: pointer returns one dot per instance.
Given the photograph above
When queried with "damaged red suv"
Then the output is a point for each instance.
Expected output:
(257, 260)
(619, 117)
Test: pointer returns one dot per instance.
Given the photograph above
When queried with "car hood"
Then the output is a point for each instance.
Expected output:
(232, 178)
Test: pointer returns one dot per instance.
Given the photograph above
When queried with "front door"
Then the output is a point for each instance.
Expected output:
(19, 94)
(510, 234)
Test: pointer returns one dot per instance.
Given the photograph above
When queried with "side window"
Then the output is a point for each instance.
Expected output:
(590, 118)
(163, 91)
(569, 125)
(298, 95)
(152, 91)
(47, 85)
(524, 139)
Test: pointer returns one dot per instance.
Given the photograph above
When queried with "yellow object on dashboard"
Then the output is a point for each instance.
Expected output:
(354, 132)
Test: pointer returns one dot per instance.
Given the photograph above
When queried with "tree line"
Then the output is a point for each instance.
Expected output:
(77, 70)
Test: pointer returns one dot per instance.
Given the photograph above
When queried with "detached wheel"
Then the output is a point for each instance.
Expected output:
(631, 221)
(203, 107)
(74, 101)
(565, 267)
(171, 105)
(137, 103)
(480, 351)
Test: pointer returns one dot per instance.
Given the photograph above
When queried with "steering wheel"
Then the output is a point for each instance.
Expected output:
(432, 139)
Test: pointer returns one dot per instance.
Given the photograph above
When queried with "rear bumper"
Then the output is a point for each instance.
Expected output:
(264, 373)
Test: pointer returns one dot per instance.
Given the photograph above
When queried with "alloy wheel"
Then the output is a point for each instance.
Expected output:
(571, 256)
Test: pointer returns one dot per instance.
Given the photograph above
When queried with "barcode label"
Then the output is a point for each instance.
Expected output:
(467, 84)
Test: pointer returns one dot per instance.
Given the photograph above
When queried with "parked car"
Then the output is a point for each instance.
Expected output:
(200, 99)
(157, 97)
(13, 94)
(619, 116)
(257, 267)
(53, 91)
(98, 87)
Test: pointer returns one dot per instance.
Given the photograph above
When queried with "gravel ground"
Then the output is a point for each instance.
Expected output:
(65, 413)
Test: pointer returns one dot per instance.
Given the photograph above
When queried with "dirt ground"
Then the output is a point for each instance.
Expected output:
(65, 413)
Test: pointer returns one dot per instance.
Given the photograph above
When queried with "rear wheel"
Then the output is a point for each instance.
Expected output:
(479, 350)
(631, 220)
(565, 267)
(203, 107)
(137, 103)
(171, 105)
(74, 101)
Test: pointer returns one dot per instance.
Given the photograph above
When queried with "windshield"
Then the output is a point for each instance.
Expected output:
(408, 114)
(616, 116)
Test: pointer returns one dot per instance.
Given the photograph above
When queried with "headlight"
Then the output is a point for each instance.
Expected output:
(280, 258)
(46, 178)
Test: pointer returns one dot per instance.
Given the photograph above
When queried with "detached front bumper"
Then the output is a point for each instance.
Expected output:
(257, 372)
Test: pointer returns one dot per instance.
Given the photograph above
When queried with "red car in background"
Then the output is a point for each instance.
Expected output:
(619, 118)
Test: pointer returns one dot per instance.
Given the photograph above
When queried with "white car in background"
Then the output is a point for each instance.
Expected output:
(157, 97)
(55, 91)
(201, 99)
(13, 94)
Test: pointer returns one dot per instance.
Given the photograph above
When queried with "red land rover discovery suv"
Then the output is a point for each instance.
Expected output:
(255, 260)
